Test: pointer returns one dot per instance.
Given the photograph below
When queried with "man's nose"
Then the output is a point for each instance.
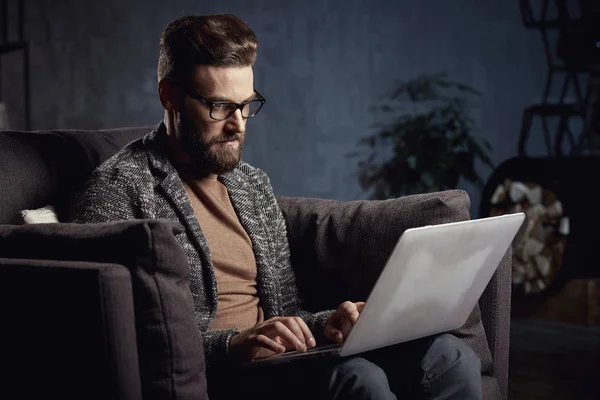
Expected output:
(238, 121)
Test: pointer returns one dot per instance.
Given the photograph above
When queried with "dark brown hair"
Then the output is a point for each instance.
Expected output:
(221, 40)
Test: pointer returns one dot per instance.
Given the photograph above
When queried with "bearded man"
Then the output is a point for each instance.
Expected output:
(189, 170)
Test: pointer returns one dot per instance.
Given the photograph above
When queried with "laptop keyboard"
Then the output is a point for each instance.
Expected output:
(314, 349)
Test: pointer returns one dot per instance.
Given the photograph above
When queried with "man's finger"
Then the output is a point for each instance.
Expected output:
(353, 317)
(334, 334)
(360, 306)
(293, 326)
(309, 339)
(346, 326)
(350, 311)
(285, 333)
(267, 343)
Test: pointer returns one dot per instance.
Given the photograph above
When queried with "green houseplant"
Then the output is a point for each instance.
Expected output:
(429, 145)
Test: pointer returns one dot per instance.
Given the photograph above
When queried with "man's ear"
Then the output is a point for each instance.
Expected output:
(170, 95)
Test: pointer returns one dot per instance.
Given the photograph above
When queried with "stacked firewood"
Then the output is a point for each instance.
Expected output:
(539, 247)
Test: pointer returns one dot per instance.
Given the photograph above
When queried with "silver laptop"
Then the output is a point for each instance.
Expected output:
(430, 284)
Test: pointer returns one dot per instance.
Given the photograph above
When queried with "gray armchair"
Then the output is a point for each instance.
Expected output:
(345, 244)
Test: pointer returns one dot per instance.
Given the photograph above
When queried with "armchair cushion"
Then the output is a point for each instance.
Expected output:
(170, 350)
(338, 250)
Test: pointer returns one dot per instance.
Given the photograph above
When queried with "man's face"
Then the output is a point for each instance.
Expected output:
(214, 146)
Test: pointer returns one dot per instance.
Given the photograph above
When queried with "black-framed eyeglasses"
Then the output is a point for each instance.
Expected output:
(221, 110)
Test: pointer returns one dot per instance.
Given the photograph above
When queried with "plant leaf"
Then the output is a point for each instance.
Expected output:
(432, 139)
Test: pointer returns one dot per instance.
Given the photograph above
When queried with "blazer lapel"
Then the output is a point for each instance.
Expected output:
(171, 187)
(241, 193)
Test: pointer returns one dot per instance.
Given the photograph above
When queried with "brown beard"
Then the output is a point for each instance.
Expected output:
(204, 155)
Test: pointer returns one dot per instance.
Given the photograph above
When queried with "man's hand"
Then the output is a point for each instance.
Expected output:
(341, 322)
(273, 336)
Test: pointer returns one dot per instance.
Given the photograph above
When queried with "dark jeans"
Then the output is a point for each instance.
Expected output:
(439, 367)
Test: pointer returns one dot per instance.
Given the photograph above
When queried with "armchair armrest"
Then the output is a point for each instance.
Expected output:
(170, 349)
(495, 304)
(68, 329)
(338, 250)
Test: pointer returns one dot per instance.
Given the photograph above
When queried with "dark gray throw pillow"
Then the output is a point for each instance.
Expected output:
(343, 246)
(170, 349)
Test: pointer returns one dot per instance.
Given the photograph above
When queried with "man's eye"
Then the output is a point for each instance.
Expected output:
(223, 106)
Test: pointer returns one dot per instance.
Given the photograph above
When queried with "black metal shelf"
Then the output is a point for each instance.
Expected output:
(558, 110)
(572, 71)
(544, 24)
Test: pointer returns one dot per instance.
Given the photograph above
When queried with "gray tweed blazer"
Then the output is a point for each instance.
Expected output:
(139, 182)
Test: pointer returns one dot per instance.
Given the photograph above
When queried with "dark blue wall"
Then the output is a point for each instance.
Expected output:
(321, 65)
